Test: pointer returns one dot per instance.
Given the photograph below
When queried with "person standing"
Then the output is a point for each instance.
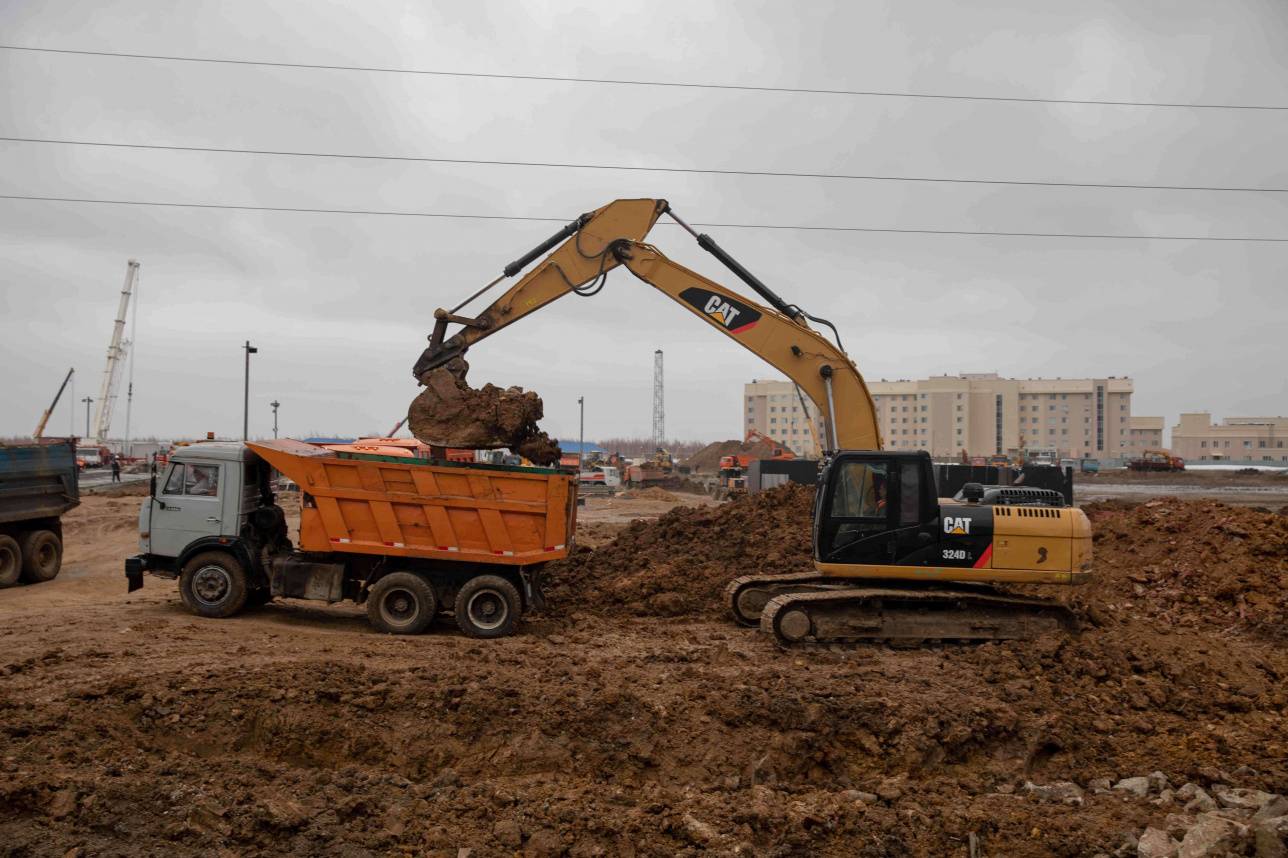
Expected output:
(116, 469)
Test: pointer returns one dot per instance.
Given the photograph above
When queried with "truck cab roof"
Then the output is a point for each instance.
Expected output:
(224, 451)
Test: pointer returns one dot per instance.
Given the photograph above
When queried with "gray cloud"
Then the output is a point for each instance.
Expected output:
(340, 305)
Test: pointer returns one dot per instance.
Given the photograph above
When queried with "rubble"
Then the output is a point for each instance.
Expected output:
(597, 730)
(450, 413)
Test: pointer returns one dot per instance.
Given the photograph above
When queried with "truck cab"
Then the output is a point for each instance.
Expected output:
(203, 496)
(214, 496)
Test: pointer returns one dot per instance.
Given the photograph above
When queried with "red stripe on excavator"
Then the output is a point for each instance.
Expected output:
(984, 558)
(746, 327)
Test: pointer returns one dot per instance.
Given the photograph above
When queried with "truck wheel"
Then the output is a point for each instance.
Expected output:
(487, 607)
(213, 584)
(42, 556)
(401, 603)
(10, 561)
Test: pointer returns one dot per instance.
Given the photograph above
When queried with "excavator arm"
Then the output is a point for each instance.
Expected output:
(613, 236)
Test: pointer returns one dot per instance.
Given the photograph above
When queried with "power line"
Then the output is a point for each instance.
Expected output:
(634, 168)
(652, 83)
(564, 220)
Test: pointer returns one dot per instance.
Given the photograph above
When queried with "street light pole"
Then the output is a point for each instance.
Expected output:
(274, 403)
(581, 442)
(250, 350)
(87, 400)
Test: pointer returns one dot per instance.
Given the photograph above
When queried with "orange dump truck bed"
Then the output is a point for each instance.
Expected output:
(399, 507)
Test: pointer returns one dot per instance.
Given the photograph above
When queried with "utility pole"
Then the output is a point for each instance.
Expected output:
(87, 400)
(250, 350)
(581, 441)
(659, 410)
(274, 403)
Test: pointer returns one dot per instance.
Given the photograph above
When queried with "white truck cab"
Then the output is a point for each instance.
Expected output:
(211, 497)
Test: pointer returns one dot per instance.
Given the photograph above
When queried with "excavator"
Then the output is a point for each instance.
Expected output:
(892, 560)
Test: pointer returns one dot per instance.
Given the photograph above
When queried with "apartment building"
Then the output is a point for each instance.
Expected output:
(1144, 433)
(773, 407)
(980, 413)
(1236, 439)
(985, 414)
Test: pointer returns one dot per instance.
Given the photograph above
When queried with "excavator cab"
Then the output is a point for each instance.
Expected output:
(876, 508)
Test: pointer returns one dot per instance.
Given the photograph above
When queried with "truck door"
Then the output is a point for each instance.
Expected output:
(188, 506)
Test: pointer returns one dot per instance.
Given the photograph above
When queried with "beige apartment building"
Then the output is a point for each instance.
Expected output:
(772, 407)
(986, 415)
(1235, 439)
(980, 413)
(1144, 433)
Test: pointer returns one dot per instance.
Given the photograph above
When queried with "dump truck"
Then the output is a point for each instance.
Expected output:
(1156, 460)
(38, 483)
(408, 538)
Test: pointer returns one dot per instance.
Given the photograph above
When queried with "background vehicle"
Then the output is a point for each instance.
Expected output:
(38, 483)
(408, 537)
(891, 560)
(1156, 460)
(600, 475)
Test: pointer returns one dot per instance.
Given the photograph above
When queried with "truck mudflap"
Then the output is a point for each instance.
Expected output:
(533, 595)
(134, 569)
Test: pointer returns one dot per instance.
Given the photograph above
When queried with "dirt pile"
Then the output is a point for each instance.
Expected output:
(680, 563)
(707, 460)
(650, 493)
(128, 726)
(450, 413)
(1191, 563)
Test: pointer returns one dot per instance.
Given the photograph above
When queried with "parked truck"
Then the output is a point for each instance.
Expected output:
(1156, 460)
(38, 483)
(409, 538)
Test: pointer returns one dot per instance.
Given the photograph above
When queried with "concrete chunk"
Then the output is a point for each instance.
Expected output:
(1136, 786)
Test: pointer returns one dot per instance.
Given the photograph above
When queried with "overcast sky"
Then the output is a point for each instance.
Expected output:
(339, 305)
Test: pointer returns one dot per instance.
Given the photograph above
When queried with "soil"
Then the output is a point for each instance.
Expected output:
(650, 493)
(707, 460)
(128, 726)
(450, 413)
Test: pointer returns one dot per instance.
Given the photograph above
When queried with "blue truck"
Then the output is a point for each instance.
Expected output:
(38, 483)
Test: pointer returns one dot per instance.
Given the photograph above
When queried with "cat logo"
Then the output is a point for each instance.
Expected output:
(956, 526)
(730, 314)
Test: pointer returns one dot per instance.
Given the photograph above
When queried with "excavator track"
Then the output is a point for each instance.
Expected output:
(837, 615)
(748, 595)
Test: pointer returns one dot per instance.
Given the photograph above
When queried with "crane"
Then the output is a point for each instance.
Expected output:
(892, 560)
(116, 352)
(44, 418)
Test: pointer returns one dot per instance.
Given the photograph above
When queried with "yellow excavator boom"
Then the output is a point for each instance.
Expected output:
(612, 236)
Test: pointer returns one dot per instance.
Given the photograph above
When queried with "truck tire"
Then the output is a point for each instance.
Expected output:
(10, 561)
(401, 603)
(42, 556)
(487, 607)
(213, 584)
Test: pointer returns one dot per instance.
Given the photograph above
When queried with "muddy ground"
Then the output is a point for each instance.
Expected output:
(616, 725)
(1265, 488)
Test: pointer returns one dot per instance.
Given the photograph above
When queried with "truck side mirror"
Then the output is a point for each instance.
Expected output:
(152, 481)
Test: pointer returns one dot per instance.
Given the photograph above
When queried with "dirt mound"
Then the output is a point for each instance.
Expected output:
(128, 726)
(1191, 563)
(707, 460)
(650, 493)
(450, 413)
(680, 563)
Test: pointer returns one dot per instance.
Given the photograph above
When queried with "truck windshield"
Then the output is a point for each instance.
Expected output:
(193, 480)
